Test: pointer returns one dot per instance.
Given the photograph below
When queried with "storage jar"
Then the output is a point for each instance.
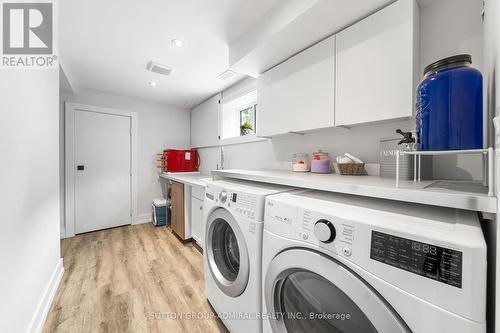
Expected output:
(320, 162)
(300, 162)
(450, 106)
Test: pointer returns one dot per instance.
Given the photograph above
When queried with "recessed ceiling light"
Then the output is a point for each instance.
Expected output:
(153, 84)
(177, 42)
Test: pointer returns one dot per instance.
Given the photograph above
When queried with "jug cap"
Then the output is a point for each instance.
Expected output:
(461, 58)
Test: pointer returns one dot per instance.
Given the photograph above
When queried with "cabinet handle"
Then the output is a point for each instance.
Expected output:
(201, 208)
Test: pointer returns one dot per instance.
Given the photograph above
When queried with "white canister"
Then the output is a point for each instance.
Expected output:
(300, 162)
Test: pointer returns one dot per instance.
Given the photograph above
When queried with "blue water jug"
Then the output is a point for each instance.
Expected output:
(450, 106)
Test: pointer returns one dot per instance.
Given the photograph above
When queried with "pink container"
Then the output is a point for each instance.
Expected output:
(320, 162)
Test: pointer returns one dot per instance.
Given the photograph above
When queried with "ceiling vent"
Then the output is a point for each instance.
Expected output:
(228, 73)
(158, 68)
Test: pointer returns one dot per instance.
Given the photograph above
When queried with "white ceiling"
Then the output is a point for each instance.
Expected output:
(105, 45)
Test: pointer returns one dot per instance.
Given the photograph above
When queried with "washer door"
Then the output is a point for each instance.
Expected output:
(309, 292)
(227, 253)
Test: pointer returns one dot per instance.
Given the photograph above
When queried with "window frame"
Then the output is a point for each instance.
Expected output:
(253, 137)
(252, 106)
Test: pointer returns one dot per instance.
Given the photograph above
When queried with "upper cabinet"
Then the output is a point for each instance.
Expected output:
(298, 95)
(205, 123)
(377, 66)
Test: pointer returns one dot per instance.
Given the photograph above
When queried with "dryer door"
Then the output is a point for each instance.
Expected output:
(227, 253)
(309, 292)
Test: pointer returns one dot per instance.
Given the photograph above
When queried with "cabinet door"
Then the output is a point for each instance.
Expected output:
(273, 102)
(177, 213)
(197, 220)
(311, 87)
(205, 123)
(376, 66)
(298, 95)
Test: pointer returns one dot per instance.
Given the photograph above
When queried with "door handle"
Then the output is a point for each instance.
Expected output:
(80, 167)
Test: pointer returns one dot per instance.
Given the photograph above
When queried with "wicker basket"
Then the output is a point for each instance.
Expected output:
(349, 169)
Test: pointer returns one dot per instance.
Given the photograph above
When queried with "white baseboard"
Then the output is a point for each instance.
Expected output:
(63, 233)
(48, 296)
(143, 218)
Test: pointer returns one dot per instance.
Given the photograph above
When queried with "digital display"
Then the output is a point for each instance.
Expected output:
(234, 197)
(433, 262)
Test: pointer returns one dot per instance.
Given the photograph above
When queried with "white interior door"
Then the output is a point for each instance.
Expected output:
(102, 170)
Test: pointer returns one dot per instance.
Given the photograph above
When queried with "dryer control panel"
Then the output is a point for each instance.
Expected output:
(431, 261)
(328, 232)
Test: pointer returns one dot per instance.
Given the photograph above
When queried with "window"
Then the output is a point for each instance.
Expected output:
(238, 116)
(247, 120)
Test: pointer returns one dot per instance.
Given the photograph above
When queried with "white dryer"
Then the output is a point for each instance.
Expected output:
(337, 263)
(234, 214)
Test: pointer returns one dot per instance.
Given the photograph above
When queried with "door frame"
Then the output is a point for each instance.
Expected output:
(69, 134)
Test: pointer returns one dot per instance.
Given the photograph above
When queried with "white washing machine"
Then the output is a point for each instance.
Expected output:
(336, 263)
(234, 211)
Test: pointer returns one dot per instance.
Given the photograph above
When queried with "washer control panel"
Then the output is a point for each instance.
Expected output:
(243, 204)
(239, 203)
(223, 196)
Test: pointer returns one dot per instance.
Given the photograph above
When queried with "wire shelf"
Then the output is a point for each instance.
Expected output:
(488, 155)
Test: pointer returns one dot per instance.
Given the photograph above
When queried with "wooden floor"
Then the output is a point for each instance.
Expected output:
(131, 279)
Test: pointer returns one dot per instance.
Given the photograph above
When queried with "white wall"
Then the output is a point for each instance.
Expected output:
(29, 195)
(160, 127)
(448, 27)
(362, 141)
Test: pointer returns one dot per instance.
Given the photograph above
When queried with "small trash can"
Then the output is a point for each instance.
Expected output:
(160, 212)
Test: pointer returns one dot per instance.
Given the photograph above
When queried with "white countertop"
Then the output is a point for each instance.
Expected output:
(463, 195)
(188, 178)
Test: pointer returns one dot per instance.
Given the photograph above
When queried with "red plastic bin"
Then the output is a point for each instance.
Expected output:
(181, 160)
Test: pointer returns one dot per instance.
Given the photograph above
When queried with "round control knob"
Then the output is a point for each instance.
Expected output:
(324, 231)
(223, 196)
